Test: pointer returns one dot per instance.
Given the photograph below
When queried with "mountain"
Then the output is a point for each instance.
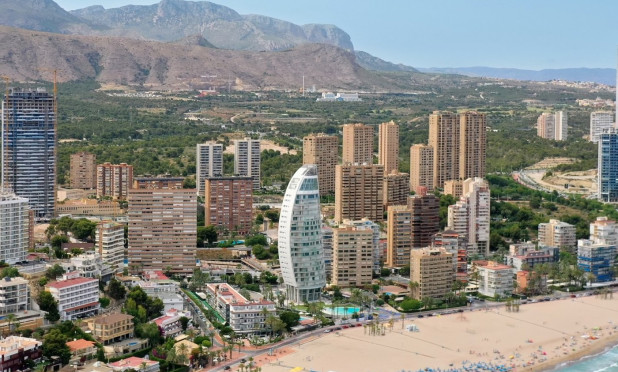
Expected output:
(41, 15)
(171, 20)
(26, 54)
(597, 75)
(370, 62)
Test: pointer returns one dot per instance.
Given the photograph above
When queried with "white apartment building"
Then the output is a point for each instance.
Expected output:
(77, 297)
(604, 231)
(209, 163)
(243, 315)
(14, 295)
(599, 121)
(89, 265)
(247, 160)
(553, 126)
(14, 227)
(494, 278)
(471, 215)
(109, 243)
(300, 237)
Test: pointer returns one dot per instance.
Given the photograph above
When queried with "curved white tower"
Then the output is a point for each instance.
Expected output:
(300, 237)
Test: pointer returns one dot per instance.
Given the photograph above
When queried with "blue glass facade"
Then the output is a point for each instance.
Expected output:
(608, 166)
(29, 136)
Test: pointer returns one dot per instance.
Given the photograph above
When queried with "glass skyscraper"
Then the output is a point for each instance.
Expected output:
(300, 237)
(29, 144)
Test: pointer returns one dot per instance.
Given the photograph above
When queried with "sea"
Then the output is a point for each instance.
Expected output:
(606, 361)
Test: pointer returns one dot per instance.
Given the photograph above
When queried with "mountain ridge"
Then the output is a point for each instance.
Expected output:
(605, 76)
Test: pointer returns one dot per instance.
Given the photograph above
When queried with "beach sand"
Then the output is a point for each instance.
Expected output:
(537, 338)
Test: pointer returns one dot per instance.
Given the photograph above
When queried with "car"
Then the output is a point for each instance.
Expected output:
(337, 328)
(460, 310)
(359, 325)
(227, 368)
(345, 326)
(573, 296)
(428, 315)
(243, 360)
(421, 316)
(435, 314)
(328, 330)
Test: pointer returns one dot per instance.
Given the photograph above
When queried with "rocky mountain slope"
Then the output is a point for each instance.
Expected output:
(26, 54)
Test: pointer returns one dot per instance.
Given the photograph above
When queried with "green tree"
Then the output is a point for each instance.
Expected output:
(290, 318)
(116, 290)
(149, 331)
(207, 234)
(10, 272)
(55, 344)
(48, 304)
(104, 301)
(55, 271)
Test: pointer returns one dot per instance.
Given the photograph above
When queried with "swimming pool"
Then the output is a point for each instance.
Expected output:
(342, 311)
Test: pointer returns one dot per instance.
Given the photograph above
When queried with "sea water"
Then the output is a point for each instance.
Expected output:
(604, 362)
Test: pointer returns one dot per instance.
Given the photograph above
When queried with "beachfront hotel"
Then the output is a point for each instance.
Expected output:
(300, 237)
(432, 272)
(244, 315)
(556, 233)
(495, 279)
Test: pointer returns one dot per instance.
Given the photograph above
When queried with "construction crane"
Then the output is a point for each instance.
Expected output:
(5, 131)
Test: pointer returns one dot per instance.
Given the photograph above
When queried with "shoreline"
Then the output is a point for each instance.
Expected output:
(594, 350)
(544, 336)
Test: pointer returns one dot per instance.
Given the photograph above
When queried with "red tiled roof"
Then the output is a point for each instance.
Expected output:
(132, 362)
(80, 344)
(70, 282)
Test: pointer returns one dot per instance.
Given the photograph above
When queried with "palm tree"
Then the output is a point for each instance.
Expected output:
(182, 353)
(414, 286)
(11, 319)
(391, 322)
(403, 319)
(143, 366)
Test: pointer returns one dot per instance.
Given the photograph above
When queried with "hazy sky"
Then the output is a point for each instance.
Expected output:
(530, 34)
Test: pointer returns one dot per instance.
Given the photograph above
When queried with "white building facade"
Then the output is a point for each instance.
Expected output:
(14, 227)
(77, 297)
(247, 160)
(209, 163)
(600, 121)
(470, 216)
(300, 238)
(109, 243)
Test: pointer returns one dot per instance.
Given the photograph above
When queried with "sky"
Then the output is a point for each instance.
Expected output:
(526, 34)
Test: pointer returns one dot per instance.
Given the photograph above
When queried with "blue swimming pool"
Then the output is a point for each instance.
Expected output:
(342, 311)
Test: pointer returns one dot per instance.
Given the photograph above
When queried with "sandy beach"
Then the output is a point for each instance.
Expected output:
(537, 338)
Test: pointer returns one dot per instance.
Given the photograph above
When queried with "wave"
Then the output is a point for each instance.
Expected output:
(605, 361)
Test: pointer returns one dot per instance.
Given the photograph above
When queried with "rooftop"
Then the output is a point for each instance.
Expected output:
(112, 318)
(80, 344)
(132, 362)
(70, 282)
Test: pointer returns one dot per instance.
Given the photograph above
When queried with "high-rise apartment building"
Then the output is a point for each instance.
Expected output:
(357, 144)
(421, 167)
(396, 189)
(431, 272)
(323, 151)
(83, 170)
(470, 215)
(15, 295)
(444, 138)
(327, 248)
(553, 126)
(388, 147)
(367, 224)
(209, 163)
(457, 244)
(162, 229)
(556, 233)
(454, 188)
(229, 203)
(425, 211)
(14, 227)
(359, 192)
(599, 122)
(109, 243)
(162, 182)
(597, 259)
(352, 256)
(607, 169)
(472, 144)
(604, 231)
(247, 160)
(114, 180)
(29, 148)
(399, 232)
(300, 237)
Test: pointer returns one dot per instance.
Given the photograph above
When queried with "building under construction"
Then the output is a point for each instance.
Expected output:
(29, 148)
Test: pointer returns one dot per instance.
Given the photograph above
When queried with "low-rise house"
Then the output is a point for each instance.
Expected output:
(243, 315)
(169, 324)
(135, 363)
(170, 300)
(494, 278)
(527, 254)
(77, 297)
(82, 349)
(15, 351)
(111, 328)
(89, 265)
